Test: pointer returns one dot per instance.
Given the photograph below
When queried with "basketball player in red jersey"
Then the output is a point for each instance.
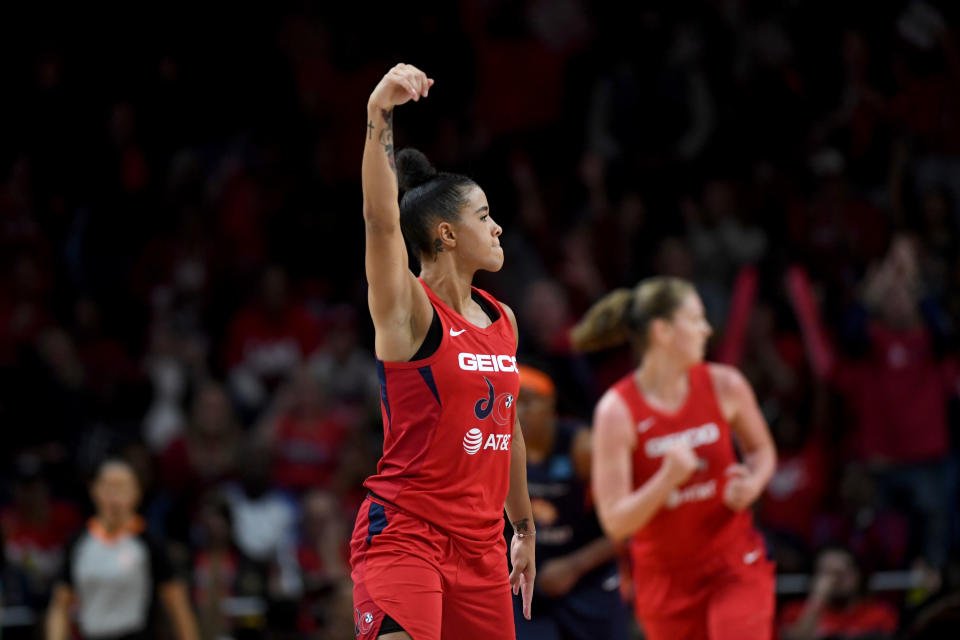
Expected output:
(428, 554)
(665, 475)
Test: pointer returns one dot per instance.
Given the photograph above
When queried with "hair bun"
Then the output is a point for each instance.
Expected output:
(413, 169)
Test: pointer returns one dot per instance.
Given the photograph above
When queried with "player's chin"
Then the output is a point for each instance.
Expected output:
(495, 260)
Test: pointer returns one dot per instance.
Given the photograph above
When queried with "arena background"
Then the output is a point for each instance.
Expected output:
(181, 258)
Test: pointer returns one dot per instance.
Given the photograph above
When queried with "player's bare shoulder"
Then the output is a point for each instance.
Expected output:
(612, 421)
(731, 387)
(512, 317)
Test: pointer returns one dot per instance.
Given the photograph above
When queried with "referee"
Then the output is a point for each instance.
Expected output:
(113, 573)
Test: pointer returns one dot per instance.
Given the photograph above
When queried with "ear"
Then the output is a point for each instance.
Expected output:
(447, 234)
(661, 331)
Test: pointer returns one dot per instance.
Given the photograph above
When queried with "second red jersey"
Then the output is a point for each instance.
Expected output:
(447, 424)
(693, 524)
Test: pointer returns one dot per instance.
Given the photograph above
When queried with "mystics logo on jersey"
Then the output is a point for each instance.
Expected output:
(492, 406)
(497, 405)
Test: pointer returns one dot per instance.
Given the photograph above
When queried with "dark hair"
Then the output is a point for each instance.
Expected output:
(426, 197)
(626, 314)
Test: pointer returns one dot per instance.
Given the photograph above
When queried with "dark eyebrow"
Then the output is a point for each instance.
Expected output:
(483, 208)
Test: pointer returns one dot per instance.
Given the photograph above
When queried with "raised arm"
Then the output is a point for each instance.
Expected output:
(399, 307)
(621, 509)
(819, 350)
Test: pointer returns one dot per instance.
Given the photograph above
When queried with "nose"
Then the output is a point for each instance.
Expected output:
(497, 230)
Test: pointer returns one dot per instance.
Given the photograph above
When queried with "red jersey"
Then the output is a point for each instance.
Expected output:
(447, 424)
(693, 525)
(899, 397)
(794, 496)
(306, 449)
(868, 616)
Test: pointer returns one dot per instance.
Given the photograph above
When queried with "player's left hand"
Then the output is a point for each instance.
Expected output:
(740, 490)
(522, 556)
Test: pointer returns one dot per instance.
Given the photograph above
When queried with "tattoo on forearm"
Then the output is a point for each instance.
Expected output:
(370, 130)
(522, 526)
(386, 137)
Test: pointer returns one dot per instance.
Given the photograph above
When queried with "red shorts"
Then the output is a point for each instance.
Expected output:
(408, 569)
(730, 597)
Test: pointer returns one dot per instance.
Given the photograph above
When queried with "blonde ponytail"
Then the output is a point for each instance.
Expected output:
(625, 314)
(605, 323)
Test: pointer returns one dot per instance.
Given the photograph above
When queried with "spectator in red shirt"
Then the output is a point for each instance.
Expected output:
(305, 435)
(837, 607)
(36, 528)
(898, 385)
(200, 459)
(267, 339)
(899, 392)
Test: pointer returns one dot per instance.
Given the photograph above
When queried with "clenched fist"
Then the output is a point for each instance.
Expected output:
(740, 490)
(679, 463)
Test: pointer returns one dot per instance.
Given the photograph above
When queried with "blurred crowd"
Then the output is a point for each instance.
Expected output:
(182, 278)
